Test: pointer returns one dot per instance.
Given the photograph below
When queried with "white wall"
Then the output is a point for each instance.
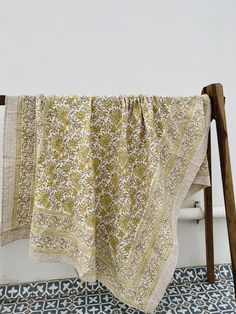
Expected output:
(128, 47)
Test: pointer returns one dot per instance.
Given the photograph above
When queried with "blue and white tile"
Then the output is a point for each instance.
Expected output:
(187, 293)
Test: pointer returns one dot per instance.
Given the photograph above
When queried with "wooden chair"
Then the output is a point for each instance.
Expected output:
(216, 94)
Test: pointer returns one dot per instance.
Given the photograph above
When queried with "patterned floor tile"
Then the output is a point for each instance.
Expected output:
(187, 293)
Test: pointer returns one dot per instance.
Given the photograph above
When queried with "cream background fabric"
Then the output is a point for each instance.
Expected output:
(75, 143)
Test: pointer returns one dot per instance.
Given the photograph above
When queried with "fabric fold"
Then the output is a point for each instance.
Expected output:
(97, 182)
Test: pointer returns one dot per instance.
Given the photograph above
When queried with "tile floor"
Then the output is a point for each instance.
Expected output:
(187, 293)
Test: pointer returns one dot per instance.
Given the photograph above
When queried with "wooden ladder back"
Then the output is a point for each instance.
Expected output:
(216, 94)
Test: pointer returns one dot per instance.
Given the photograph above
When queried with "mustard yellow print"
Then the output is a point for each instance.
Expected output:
(99, 181)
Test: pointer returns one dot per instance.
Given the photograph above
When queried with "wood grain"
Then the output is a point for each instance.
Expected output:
(2, 100)
(216, 94)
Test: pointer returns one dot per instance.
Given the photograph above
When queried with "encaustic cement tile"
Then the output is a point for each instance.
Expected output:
(187, 293)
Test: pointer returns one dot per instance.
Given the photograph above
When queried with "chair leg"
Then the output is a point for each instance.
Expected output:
(209, 240)
(226, 174)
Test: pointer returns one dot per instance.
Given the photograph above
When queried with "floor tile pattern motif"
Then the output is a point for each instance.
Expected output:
(188, 292)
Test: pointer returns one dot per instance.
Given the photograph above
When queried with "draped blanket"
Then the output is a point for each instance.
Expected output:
(97, 182)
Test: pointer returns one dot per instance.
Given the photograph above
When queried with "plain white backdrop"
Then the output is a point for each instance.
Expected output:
(120, 47)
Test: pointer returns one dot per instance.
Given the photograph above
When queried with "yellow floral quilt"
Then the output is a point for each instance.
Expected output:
(97, 182)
